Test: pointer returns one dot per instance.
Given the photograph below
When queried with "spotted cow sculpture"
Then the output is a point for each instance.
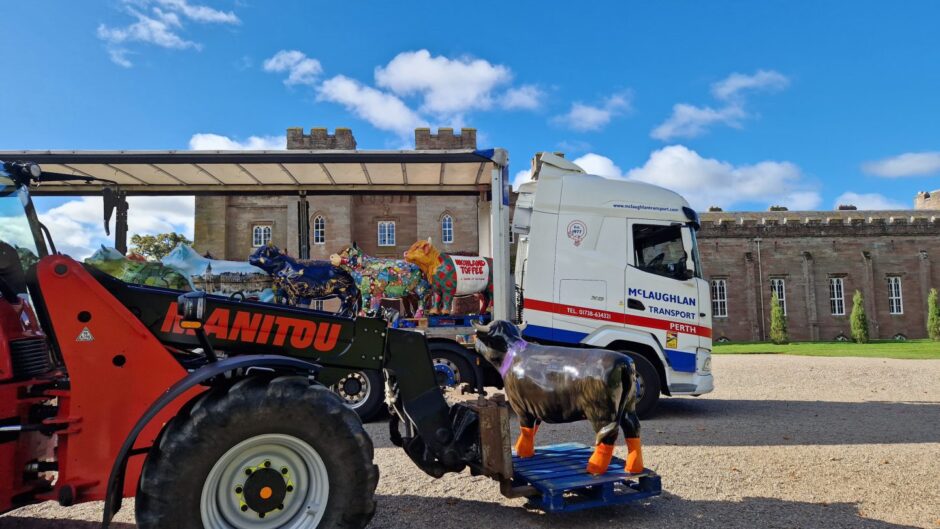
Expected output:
(452, 275)
(302, 282)
(562, 384)
(380, 278)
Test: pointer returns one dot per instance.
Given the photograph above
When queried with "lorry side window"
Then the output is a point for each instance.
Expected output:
(658, 250)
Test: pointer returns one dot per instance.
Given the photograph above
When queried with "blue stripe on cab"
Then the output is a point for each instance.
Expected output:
(555, 335)
(680, 360)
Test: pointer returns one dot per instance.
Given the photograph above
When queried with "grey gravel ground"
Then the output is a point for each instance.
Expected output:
(784, 441)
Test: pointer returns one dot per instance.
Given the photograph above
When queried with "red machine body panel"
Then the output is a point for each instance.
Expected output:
(116, 367)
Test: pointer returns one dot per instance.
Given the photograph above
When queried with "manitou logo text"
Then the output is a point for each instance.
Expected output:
(261, 329)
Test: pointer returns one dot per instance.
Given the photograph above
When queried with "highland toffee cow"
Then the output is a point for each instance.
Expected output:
(561, 384)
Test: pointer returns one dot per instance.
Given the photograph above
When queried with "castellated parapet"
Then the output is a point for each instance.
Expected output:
(319, 139)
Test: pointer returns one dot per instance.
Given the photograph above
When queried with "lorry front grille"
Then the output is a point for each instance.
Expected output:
(30, 357)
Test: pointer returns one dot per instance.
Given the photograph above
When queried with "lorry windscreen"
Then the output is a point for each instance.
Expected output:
(658, 249)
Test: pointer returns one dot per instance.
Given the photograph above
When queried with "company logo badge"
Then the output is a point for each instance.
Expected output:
(85, 336)
(577, 230)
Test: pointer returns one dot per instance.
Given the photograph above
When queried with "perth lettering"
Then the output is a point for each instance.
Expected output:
(261, 329)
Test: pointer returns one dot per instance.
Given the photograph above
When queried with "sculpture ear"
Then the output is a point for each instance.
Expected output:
(356, 246)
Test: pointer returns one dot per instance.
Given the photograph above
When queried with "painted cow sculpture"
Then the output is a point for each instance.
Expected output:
(302, 282)
(562, 384)
(380, 278)
(452, 275)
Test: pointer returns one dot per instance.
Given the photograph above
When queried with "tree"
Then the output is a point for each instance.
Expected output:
(933, 316)
(778, 321)
(858, 319)
(155, 247)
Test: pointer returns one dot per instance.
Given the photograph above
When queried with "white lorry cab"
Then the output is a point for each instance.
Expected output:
(614, 264)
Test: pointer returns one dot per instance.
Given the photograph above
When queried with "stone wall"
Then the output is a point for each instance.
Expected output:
(806, 249)
(927, 200)
(463, 209)
(368, 210)
(336, 209)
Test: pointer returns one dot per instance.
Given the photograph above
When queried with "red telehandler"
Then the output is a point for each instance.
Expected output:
(213, 412)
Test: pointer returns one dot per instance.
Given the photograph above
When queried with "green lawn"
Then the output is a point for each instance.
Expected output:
(913, 349)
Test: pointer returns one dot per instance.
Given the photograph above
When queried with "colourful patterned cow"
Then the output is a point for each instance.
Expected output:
(379, 278)
(452, 275)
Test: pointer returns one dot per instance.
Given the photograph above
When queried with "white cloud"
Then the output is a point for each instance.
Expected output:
(525, 97)
(582, 117)
(215, 142)
(732, 86)
(383, 110)
(302, 69)
(158, 23)
(708, 182)
(868, 201)
(77, 225)
(689, 121)
(448, 87)
(599, 165)
(907, 164)
(200, 13)
(521, 178)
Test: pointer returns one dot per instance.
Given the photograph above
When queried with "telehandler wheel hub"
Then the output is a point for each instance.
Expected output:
(266, 482)
(265, 490)
(354, 388)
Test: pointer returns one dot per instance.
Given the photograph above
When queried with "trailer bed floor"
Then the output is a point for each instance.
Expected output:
(558, 473)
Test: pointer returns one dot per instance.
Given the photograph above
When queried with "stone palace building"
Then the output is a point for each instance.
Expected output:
(814, 260)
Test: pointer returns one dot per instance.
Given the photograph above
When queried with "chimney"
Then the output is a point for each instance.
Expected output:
(778, 208)
(847, 207)
(714, 209)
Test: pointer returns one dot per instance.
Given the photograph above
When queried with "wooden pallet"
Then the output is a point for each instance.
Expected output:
(558, 473)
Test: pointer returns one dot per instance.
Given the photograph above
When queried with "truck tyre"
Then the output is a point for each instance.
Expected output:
(263, 453)
(451, 368)
(363, 392)
(648, 380)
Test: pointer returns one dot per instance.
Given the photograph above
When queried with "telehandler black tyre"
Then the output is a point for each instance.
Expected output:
(262, 453)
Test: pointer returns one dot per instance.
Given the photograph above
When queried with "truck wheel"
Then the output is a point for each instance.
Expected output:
(451, 368)
(649, 386)
(363, 392)
(262, 454)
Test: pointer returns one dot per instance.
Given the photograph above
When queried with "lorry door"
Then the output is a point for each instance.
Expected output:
(590, 255)
(661, 294)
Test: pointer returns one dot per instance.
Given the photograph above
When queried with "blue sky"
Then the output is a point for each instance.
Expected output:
(736, 104)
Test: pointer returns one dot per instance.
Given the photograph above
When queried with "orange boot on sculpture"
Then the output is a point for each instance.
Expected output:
(600, 459)
(525, 444)
(634, 455)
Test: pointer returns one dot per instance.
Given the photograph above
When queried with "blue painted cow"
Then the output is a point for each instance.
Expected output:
(300, 282)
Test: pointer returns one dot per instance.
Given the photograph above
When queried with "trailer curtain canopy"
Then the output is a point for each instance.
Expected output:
(287, 172)
(294, 172)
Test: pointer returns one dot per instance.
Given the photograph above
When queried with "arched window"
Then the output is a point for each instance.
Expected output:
(260, 235)
(447, 229)
(319, 230)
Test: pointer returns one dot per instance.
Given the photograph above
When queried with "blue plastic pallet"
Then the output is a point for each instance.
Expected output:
(558, 473)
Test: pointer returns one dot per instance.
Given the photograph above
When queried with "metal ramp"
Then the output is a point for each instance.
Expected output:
(558, 473)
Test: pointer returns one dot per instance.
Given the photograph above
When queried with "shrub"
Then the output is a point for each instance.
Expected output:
(933, 316)
(858, 319)
(778, 321)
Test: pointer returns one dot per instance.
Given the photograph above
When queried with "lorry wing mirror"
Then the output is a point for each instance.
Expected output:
(110, 203)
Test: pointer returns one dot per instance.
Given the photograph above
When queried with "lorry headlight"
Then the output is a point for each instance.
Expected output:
(704, 360)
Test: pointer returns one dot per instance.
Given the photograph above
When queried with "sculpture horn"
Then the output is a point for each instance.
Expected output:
(480, 327)
(523, 325)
